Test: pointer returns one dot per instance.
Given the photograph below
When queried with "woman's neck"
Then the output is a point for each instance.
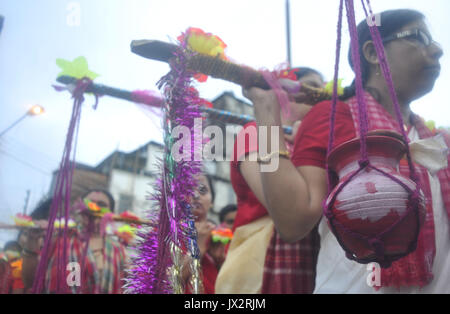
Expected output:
(383, 97)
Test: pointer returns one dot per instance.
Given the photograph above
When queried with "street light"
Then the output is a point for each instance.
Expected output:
(34, 111)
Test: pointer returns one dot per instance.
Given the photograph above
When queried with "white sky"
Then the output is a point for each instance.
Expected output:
(37, 32)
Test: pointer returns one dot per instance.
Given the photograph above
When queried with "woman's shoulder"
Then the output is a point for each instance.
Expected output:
(326, 106)
(320, 113)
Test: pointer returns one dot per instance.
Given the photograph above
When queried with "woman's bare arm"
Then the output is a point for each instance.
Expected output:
(293, 196)
(250, 172)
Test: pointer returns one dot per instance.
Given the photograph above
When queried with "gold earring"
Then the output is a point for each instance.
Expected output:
(378, 72)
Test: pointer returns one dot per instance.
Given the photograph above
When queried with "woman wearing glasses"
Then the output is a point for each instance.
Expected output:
(295, 192)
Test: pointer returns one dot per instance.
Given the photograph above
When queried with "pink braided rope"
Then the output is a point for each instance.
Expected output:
(378, 42)
(374, 241)
(63, 183)
(334, 97)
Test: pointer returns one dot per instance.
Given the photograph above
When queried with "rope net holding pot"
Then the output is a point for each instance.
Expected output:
(374, 211)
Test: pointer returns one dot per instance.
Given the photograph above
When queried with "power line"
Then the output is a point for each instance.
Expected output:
(12, 144)
(24, 162)
(12, 140)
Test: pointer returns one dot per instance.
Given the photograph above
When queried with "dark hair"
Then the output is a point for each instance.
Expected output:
(12, 246)
(390, 22)
(108, 195)
(303, 71)
(42, 211)
(227, 209)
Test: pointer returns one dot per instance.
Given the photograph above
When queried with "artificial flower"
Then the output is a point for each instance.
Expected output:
(77, 68)
(92, 206)
(431, 125)
(203, 43)
(60, 223)
(329, 87)
(221, 234)
(287, 74)
(23, 220)
(129, 215)
(126, 233)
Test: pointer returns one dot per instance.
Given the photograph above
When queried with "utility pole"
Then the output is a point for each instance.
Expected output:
(135, 175)
(27, 198)
(112, 165)
(288, 33)
(2, 19)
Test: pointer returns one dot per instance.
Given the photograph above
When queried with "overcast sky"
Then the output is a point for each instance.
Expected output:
(36, 33)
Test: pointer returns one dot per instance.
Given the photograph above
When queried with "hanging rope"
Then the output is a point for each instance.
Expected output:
(61, 199)
(414, 203)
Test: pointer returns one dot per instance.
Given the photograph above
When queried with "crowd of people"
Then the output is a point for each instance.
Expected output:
(103, 256)
(281, 243)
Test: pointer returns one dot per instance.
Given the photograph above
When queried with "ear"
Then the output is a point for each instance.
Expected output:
(369, 53)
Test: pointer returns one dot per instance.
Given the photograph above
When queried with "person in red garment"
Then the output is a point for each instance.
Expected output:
(104, 262)
(296, 191)
(210, 253)
(11, 269)
(258, 260)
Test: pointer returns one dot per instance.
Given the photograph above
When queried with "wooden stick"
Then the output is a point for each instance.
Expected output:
(219, 68)
(99, 89)
(15, 227)
(122, 219)
(97, 215)
(212, 113)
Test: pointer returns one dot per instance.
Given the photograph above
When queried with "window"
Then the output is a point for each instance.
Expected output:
(125, 203)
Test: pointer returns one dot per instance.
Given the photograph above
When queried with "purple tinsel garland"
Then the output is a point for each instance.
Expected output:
(173, 225)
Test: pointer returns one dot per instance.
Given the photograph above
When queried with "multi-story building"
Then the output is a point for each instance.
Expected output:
(131, 176)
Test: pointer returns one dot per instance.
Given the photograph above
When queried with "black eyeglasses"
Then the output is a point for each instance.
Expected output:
(417, 34)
